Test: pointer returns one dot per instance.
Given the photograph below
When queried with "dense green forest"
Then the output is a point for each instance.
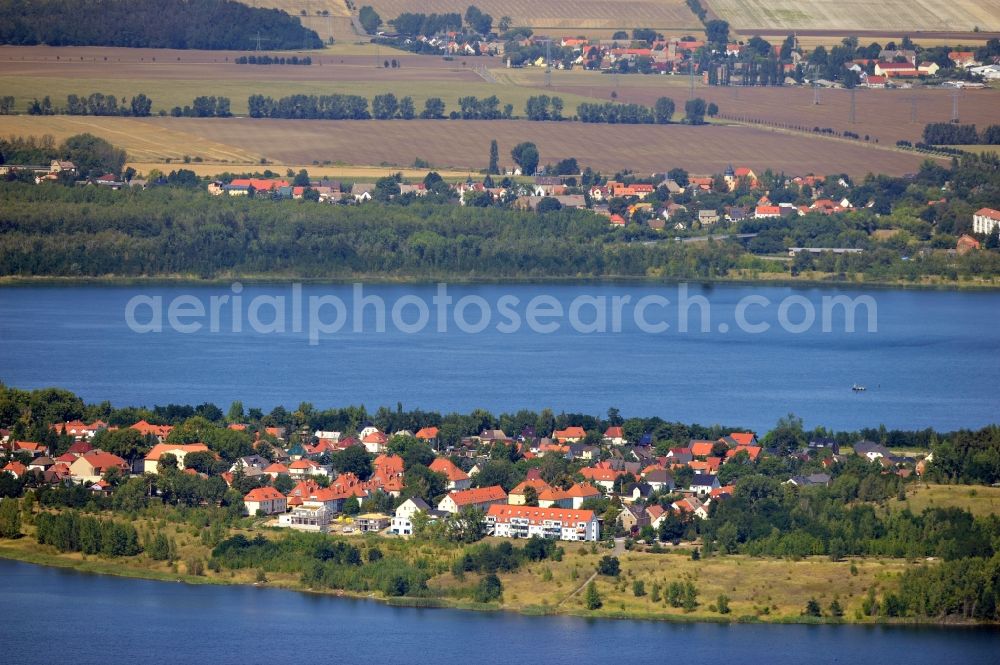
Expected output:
(177, 24)
(45, 230)
(91, 232)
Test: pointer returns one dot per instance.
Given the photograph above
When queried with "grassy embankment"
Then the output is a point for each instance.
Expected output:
(758, 589)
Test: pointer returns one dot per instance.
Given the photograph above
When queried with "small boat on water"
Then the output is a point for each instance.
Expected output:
(858, 388)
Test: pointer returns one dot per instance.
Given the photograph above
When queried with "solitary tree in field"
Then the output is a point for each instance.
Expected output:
(494, 167)
(10, 519)
(592, 597)
(369, 19)
(525, 155)
(694, 109)
(663, 110)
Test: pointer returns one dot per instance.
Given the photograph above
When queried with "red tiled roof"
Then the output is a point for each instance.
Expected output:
(571, 432)
(598, 475)
(427, 433)
(583, 490)
(702, 448)
(448, 468)
(161, 448)
(101, 460)
(263, 494)
(16, 468)
(388, 465)
(539, 485)
(742, 438)
(80, 447)
(478, 495)
(504, 512)
(752, 451)
(259, 184)
(146, 428)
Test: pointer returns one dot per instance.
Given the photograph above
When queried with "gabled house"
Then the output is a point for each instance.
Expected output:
(15, 468)
(614, 436)
(581, 492)
(632, 518)
(402, 522)
(660, 480)
(457, 479)
(702, 484)
(518, 495)
(428, 435)
(178, 450)
(812, 480)
(91, 467)
(480, 498)
(571, 434)
(871, 450)
(265, 500)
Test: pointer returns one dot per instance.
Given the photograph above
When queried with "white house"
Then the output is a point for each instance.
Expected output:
(506, 521)
(250, 462)
(703, 484)
(985, 220)
(266, 500)
(402, 523)
(307, 518)
(307, 467)
(614, 436)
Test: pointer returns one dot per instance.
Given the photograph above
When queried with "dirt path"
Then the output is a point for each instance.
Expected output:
(578, 589)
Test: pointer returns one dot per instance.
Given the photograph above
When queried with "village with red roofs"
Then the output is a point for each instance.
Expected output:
(574, 481)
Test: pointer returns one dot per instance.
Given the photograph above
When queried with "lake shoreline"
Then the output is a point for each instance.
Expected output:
(98, 566)
(812, 280)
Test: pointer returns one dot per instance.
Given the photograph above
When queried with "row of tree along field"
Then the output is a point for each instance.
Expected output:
(382, 107)
(140, 106)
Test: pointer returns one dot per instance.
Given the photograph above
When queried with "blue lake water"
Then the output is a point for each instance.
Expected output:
(932, 362)
(56, 615)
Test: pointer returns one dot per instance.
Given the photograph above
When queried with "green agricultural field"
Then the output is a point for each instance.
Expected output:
(179, 92)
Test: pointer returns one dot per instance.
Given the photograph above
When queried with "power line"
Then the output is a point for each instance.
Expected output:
(548, 63)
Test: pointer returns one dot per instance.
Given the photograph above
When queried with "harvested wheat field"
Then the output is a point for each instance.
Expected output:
(141, 142)
(559, 14)
(886, 115)
(465, 144)
(890, 15)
